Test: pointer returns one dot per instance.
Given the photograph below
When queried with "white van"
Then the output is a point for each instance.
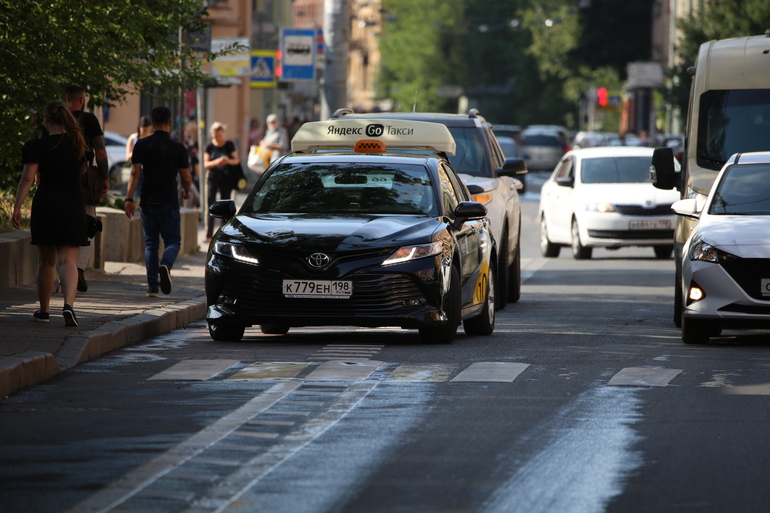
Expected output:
(729, 113)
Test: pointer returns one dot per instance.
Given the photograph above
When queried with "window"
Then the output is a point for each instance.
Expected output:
(744, 189)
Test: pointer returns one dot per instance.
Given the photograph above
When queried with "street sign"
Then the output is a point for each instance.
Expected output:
(298, 52)
(263, 69)
(234, 65)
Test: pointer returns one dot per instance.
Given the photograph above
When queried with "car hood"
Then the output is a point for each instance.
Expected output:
(743, 236)
(331, 233)
(627, 194)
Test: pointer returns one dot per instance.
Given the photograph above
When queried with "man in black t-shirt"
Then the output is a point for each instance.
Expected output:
(75, 100)
(160, 159)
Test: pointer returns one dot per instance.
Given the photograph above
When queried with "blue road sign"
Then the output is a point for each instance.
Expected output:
(263, 68)
(298, 51)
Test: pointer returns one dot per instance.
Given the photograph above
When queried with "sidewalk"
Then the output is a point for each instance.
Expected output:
(113, 313)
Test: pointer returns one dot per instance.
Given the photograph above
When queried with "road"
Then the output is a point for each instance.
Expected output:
(583, 400)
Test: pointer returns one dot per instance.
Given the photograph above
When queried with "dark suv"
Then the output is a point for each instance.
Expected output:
(489, 177)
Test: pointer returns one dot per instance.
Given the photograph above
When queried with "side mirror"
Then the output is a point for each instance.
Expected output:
(565, 181)
(467, 210)
(513, 168)
(222, 209)
(662, 171)
(689, 207)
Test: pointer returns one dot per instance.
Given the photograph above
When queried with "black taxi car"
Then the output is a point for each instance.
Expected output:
(365, 223)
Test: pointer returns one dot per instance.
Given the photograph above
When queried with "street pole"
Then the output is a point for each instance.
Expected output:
(336, 38)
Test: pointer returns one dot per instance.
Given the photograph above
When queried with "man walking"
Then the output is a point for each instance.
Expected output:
(161, 159)
(75, 100)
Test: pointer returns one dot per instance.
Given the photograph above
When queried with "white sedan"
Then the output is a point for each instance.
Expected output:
(603, 197)
(726, 259)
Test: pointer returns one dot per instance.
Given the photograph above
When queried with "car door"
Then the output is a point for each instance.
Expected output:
(560, 202)
(468, 237)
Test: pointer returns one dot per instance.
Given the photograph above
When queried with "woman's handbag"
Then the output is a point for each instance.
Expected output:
(256, 161)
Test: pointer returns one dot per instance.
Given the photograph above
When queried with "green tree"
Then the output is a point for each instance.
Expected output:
(109, 47)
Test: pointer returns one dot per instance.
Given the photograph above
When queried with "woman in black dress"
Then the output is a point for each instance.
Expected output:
(219, 154)
(58, 223)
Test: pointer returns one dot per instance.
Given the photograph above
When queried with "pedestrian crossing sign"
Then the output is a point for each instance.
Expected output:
(263, 69)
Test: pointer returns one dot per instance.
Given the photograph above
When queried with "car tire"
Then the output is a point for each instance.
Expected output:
(547, 248)
(274, 329)
(696, 331)
(514, 275)
(484, 323)
(444, 333)
(501, 292)
(224, 333)
(664, 251)
(579, 252)
(678, 303)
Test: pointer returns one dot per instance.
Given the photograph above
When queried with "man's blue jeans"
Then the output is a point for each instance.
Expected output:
(160, 221)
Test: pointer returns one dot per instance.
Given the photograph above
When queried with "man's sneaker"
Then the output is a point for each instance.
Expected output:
(41, 316)
(69, 316)
(82, 285)
(153, 292)
(165, 279)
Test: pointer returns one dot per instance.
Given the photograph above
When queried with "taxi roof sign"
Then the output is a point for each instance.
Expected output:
(396, 134)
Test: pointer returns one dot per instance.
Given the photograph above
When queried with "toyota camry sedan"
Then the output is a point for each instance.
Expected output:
(365, 223)
(726, 260)
(604, 197)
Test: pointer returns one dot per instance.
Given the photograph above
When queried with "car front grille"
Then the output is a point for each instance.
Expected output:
(749, 273)
(374, 295)
(639, 210)
(632, 234)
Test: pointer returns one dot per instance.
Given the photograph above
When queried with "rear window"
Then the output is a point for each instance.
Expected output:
(541, 140)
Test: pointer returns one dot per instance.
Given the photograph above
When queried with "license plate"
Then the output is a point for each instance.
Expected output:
(649, 224)
(317, 289)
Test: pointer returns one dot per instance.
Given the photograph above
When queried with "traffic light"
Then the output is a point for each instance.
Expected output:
(601, 96)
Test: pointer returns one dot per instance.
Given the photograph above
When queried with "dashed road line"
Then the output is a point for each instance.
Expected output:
(644, 377)
(491, 372)
(194, 370)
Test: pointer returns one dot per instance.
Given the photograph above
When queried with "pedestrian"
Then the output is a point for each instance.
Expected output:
(160, 159)
(75, 100)
(143, 129)
(220, 153)
(276, 138)
(58, 221)
(255, 133)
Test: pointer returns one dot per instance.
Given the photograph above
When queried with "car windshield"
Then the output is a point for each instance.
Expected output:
(615, 170)
(341, 188)
(732, 122)
(469, 157)
(743, 190)
(540, 140)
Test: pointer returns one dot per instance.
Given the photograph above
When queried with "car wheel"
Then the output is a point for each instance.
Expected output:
(222, 333)
(579, 252)
(514, 275)
(664, 251)
(547, 248)
(444, 333)
(696, 331)
(678, 302)
(484, 323)
(274, 329)
(501, 296)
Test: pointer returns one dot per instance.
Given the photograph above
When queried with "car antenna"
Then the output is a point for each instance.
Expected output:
(414, 106)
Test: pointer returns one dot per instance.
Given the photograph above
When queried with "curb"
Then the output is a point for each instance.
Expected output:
(27, 369)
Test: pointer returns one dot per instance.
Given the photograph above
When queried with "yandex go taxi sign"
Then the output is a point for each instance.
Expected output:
(344, 134)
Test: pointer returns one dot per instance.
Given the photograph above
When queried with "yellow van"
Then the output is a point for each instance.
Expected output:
(729, 112)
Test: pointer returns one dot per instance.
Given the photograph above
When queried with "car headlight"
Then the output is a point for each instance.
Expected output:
(407, 253)
(236, 252)
(706, 252)
(483, 197)
(600, 207)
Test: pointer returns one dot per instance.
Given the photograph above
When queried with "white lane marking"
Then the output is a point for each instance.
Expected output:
(429, 372)
(269, 371)
(492, 372)
(587, 455)
(144, 475)
(218, 498)
(350, 351)
(194, 370)
(340, 370)
(644, 377)
(758, 389)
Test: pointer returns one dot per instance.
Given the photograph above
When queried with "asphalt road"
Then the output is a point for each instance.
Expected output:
(583, 400)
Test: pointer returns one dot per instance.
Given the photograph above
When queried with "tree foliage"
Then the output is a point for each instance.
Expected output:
(110, 47)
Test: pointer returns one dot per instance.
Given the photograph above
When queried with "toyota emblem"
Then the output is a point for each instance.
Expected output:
(318, 260)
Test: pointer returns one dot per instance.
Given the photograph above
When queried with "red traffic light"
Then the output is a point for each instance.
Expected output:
(601, 96)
